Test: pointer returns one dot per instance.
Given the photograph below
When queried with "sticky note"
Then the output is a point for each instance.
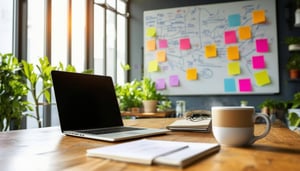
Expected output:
(233, 68)
(160, 84)
(262, 78)
(245, 85)
(151, 32)
(258, 16)
(191, 74)
(174, 80)
(262, 45)
(230, 37)
(153, 66)
(244, 32)
(233, 53)
(258, 62)
(185, 44)
(151, 45)
(210, 51)
(163, 43)
(234, 20)
(161, 56)
(229, 85)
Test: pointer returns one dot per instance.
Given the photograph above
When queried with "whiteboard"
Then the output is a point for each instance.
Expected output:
(198, 50)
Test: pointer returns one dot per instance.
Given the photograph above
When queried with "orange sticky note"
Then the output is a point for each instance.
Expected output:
(161, 56)
(258, 16)
(210, 51)
(262, 78)
(233, 53)
(151, 32)
(153, 66)
(234, 68)
(244, 32)
(191, 74)
(151, 45)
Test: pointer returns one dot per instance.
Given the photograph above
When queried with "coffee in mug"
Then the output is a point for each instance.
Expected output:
(234, 125)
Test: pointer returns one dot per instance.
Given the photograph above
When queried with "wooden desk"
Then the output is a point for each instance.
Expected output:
(47, 149)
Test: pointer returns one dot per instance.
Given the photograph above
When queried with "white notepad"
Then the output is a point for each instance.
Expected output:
(149, 152)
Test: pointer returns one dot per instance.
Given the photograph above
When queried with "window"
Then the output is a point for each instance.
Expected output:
(60, 30)
(6, 26)
(110, 42)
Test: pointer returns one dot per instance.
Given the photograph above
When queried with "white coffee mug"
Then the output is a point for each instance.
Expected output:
(234, 125)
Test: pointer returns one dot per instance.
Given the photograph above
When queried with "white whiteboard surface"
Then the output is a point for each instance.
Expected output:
(204, 25)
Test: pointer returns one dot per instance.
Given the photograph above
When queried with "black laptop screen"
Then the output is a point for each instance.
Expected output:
(85, 101)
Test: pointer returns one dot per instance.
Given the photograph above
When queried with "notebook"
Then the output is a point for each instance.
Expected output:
(88, 107)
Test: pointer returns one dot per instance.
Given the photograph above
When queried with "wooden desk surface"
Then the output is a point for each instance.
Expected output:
(47, 149)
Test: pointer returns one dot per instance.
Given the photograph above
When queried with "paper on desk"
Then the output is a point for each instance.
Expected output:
(188, 155)
(140, 151)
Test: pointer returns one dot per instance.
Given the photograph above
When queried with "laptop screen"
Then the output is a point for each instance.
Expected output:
(85, 101)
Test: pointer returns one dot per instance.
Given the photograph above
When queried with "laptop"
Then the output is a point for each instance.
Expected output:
(88, 107)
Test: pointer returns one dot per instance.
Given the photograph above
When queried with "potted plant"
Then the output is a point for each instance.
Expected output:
(150, 95)
(267, 106)
(293, 65)
(129, 96)
(13, 90)
(294, 112)
(293, 43)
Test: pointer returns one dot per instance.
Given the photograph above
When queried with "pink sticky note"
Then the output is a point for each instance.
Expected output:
(185, 44)
(160, 84)
(163, 43)
(262, 45)
(174, 81)
(245, 85)
(230, 37)
(258, 62)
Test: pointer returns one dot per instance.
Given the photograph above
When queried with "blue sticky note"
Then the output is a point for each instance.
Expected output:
(234, 20)
(229, 85)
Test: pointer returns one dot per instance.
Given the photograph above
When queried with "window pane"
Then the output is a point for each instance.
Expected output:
(99, 1)
(111, 3)
(35, 46)
(121, 48)
(99, 40)
(78, 34)
(111, 44)
(36, 27)
(121, 6)
(59, 35)
(6, 29)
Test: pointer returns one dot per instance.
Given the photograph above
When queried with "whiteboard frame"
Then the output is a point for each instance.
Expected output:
(214, 85)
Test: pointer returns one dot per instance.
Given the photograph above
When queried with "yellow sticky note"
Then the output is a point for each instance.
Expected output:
(153, 66)
(262, 78)
(210, 51)
(151, 45)
(234, 68)
(151, 32)
(258, 16)
(191, 74)
(233, 53)
(244, 32)
(161, 56)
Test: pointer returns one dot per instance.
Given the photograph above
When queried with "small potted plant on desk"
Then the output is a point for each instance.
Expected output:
(294, 112)
(129, 96)
(150, 96)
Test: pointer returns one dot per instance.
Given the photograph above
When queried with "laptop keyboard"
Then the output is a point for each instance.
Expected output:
(109, 130)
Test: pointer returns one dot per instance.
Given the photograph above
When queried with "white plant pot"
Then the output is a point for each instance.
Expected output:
(294, 47)
(288, 122)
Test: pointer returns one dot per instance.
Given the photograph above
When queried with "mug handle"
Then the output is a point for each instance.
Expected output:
(267, 130)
